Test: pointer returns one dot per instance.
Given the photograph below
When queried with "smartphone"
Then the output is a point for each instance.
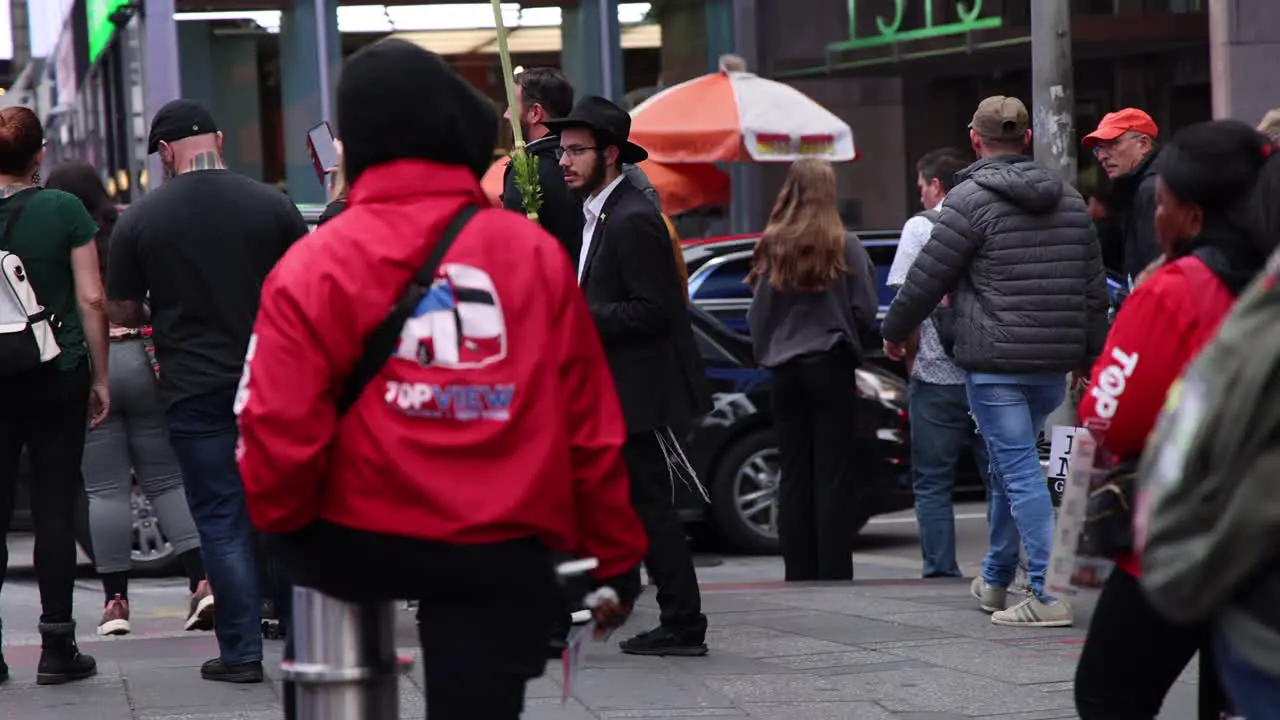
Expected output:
(324, 156)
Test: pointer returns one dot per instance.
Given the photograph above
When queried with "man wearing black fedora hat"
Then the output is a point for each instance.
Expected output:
(627, 269)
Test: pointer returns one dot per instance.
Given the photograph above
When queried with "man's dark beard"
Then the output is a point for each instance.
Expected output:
(595, 181)
(526, 130)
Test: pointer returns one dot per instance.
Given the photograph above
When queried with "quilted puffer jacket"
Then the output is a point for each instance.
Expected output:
(1016, 249)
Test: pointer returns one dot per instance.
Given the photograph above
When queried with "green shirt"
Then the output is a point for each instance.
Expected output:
(53, 224)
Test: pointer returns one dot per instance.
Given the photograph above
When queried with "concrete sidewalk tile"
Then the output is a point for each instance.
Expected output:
(165, 688)
(937, 689)
(848, 629)
(847, 603)
(790, 688)
(993, 660)
(715, 604)
(719, 662)
(758, 642)
(81, 700)
(632, 690)
(549, 709)
(682, 713)
(270, 714)
(818, 711)
(819, 661)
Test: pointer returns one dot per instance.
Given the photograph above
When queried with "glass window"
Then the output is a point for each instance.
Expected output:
(724, 282)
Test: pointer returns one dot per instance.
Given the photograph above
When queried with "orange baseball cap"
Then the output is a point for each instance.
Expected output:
(1115, 124)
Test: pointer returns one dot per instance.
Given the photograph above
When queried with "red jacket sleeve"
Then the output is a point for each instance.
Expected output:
(286, 413)
(608, 526)
(1147, 348)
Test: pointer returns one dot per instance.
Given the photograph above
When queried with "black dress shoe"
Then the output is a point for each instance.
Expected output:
(663, 640)
(245, 672)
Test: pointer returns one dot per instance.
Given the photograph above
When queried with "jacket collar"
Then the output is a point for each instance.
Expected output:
(1126, 186)
(407, 179)
(543, 145)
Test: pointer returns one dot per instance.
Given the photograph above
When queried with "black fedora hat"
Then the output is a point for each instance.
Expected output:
(604, 117)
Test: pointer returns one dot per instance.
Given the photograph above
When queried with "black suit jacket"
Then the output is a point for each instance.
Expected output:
(640, 308)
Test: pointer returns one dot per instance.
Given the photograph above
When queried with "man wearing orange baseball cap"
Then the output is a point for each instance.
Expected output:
(1125, 146)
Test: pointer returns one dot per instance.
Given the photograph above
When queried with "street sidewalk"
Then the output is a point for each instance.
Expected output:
(888, 647)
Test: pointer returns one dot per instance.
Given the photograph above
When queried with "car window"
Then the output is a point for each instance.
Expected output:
(724, 281)
(882, 258)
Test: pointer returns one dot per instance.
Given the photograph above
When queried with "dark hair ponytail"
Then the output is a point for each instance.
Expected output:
(1217, 165)
(82, 181)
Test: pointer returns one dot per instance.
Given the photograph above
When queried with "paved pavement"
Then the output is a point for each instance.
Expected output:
(890, 646)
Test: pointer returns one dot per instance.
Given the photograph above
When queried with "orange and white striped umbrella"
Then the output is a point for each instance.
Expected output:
(732, 116)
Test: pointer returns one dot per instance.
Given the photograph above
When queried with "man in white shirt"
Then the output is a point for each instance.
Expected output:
(941, 427)
(627, 270)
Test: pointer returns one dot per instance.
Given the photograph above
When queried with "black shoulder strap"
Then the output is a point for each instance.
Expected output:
(15, 211)
(382, 343)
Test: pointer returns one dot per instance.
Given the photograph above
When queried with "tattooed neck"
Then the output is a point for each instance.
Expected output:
(207, 160)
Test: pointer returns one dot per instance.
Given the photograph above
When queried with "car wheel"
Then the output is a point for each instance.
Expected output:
(152, 554)
(744, 494)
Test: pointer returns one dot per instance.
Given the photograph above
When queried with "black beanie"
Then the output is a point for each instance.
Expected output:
(398, 101)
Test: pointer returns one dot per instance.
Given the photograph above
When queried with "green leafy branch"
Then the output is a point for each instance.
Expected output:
(523, 165)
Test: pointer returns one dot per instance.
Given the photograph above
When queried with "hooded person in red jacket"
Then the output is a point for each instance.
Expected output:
(490, 437)
(1214, 243)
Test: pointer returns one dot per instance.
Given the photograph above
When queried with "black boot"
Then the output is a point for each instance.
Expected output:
(60, 658)
(4, 669)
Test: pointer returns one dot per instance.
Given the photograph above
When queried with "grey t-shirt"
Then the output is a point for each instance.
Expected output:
(786, 324)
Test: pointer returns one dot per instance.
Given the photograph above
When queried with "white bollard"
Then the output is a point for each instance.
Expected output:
(345, 664)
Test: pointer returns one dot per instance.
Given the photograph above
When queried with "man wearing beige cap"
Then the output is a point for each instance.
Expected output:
(1125, 146)
(1015, 249)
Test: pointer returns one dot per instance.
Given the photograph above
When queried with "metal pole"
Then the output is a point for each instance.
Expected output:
(345, 665)
(1053, 97)
(162, 81)
(1053, 92)
(745, 178)
(322, 8)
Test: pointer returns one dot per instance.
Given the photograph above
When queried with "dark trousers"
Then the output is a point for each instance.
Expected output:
(941, 430)
(669, 562)
(814, 401)
(1132, 656)
(484, 613)
(203, 433)
(46, 410)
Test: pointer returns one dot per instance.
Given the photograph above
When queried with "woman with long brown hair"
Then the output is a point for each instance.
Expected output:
(814, 300)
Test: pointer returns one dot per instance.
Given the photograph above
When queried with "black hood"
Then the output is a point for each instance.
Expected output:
(397, 101)
(1018, 179)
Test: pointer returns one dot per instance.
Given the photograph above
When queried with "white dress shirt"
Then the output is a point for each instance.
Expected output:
(591, 210)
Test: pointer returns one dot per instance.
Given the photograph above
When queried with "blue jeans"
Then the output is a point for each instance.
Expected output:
(941, 429)
(203, 432)
(1255, 695)
(1010, 417)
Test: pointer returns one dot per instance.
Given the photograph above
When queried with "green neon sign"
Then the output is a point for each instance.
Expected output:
(891, 32)
(98, 20)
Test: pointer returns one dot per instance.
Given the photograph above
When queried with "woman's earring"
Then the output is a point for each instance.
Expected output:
(35, 178)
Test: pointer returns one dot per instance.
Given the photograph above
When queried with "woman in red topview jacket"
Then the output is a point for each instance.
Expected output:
(491, 436)
(1206, 220)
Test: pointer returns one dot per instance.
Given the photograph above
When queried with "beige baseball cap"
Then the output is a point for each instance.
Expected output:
(1001, 118)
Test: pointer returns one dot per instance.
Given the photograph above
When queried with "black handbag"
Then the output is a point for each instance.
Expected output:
(1108, 524)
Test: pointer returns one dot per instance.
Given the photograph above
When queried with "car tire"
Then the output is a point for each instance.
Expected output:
(741, 534)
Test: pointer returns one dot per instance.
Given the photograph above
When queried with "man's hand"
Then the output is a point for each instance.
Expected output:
(895, 351)
(607, 610)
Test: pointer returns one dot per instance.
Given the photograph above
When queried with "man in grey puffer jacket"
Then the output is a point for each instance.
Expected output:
(1015, 248)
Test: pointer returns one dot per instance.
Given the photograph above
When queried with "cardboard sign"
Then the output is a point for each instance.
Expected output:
(1060, 445)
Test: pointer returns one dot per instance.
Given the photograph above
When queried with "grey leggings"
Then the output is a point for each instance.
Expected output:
(133, 442)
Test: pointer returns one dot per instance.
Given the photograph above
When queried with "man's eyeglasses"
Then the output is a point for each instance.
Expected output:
(573, 151)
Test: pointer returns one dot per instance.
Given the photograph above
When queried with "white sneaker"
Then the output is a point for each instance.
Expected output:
(990, 598)
(1033, 612)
